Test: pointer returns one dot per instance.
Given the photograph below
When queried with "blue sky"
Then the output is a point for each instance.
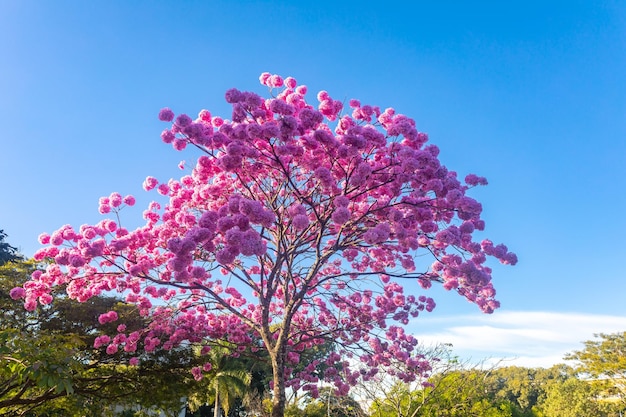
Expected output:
(530, 94)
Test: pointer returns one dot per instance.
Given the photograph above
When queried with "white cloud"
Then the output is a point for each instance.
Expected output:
(523, 338)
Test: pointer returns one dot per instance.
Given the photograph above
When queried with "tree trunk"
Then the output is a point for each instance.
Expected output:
(217, 410)
(278, 370)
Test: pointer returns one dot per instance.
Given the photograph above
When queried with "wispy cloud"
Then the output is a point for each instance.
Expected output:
(523, 338)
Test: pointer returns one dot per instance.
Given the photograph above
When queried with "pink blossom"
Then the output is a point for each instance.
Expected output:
(168, 136)
(280, 107)
(56, 238)
(205, 116)
(275, 81)
(300, 221)
(101, 341)
(226, 255)
(291, 82)
(310, 118)
(296, 209)
(341, 201)
(197, 373)
(107, 317)
(324, 175)
(264, 78)
(179, 144)
(76, 260)
(341, 215)
(44, 238)
(129, 200)
(150, 183)
(183, 120)
(233, 96)
(17, 292)
(509, 259)
(473, 179)
(163, 189)
(166, 114)
(115, 199)
(217, 121)
(323, 95)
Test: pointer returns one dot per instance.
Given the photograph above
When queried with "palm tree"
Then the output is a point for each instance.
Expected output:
(227, 381)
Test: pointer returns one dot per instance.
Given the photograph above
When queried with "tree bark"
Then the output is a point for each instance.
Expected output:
(278, 366)
(217, 410)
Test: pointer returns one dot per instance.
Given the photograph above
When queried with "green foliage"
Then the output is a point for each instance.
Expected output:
(13, 314)
(593, 389)
(603, 363)
(34, 366)
(458, 393)
(399, 401)
(572, 398)
(327, 404)
(227, 381)
(35, 369)
(48, 366)
(462, 393)
(524, 388)
(498, 392)
(8, 253)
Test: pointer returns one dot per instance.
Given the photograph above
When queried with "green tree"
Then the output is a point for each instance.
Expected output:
(403, 398)
(462, 394)
(227, 381)
(458, 393)
(603, 363)
(524, 388)
(34, 367)
(571, 398)
(455, 388)
(398, 401)
(48, 354)
(8, 253)
(325, 405)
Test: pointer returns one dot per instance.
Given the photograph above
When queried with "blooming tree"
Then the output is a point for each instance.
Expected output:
(296, 226)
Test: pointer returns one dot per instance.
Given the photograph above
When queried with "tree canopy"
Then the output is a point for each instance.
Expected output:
(603, 362)
(298, 225)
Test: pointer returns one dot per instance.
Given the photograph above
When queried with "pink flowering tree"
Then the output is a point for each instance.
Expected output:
(299, 224)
